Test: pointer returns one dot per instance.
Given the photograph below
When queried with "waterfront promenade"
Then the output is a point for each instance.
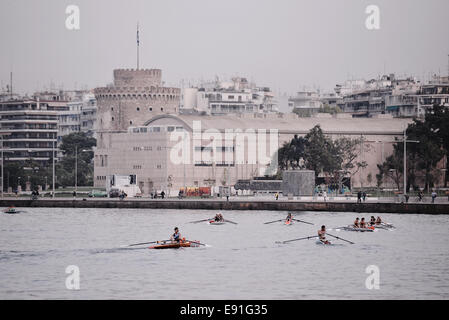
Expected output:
(386, 205)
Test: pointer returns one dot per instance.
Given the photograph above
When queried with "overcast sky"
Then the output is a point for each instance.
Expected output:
(284, 44)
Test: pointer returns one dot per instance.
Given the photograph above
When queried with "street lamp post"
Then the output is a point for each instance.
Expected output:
(76, 167)
(53, 153)
(405, 159)
(3, 160)
(2, 166)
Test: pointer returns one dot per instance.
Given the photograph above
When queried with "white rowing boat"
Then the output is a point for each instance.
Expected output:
(216, 223)
(357, 229)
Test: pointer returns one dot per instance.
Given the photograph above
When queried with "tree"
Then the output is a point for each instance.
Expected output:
(438, 122)
(319, 153)
(422, 157)
(12, 171)
(348, 161)
(427, 153)
(334, 159)
(81, 143)
(392, 167)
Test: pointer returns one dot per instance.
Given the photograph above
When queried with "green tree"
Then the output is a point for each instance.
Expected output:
(334, 159)
(438, 122)
(422, 157)
(320, 152)
(82, 144)
(426, 154)
(12, 171)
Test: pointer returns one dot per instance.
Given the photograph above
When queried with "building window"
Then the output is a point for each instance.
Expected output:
(130, 122)
(150, 109)
(162, 109)
(138, 109)
(112, 118)
(159, 166)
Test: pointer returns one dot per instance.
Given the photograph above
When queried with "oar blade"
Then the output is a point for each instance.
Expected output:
(303, 221)
(340, 238)
(201, 220)
(142, 243)
(273, 221)
(304, 238)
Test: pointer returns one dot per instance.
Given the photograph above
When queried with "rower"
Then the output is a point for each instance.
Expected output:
(221, 217)
(362, 223)
(378, 220)
(217, 217)
(289, 216)
(373, 221)
(356, 222)
(322, 235)
(176, 236)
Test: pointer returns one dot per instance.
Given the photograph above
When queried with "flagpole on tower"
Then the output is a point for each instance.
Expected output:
(138, 45)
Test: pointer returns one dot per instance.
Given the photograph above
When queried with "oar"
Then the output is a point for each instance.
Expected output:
(337, 228)
(388, 225)
(297, 239)
(230, 221)
(138, 244)
(273, 221)
(340, 238)
(194, 241)
(303, 221)
(201, 220)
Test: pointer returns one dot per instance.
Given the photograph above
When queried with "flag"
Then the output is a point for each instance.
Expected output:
(138, 34)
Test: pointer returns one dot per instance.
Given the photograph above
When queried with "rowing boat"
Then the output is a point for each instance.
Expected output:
(352, 228)
(216, 223)
(11, 211)
(324, 244)
(174, 245)
(288, 222)
(331, 244)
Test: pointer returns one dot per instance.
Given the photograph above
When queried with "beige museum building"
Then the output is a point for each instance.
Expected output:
(141, 132)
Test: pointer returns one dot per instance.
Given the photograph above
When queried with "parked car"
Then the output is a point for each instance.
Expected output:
(114, 193)
(97, 194)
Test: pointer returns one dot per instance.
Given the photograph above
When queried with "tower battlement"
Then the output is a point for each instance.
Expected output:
(135, 97)
(137, 78)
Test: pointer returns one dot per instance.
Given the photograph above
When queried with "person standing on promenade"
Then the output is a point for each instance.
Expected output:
(434, 195)
(277, 196)
(420, 195)
(163, 194)
(364, 196)
(359, 197)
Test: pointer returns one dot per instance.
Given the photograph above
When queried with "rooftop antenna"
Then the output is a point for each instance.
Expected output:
(138, 45)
